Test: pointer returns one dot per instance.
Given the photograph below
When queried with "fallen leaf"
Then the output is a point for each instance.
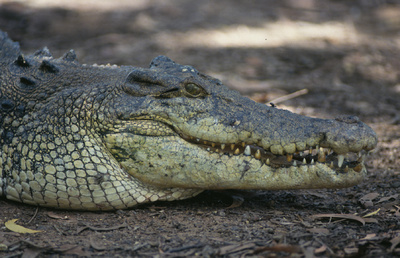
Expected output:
(395, 241)
(372, 213)
(384, 199)
(370, 196)
(320, 249)
(19, 229)
(369, 237)
(351, 250)
(340, 216)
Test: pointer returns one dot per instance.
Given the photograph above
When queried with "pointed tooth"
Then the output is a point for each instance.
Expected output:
(258, 154)
(205, 142)
(289, 157)
(340, 160)
(346, 169)
(301, 153)
(312, 162)
(232, 146)
(321, 157)
(267, 162)
(217, 150)
(198, 140)
(294, 163)
(247, 151)
(223, 146)
(208, 149)
(243, 144)
(304, 161)
(237, 151)
(213, 144)
(331, 166)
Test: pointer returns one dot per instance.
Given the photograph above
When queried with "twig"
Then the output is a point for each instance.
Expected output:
(289, 96)
(34, 215)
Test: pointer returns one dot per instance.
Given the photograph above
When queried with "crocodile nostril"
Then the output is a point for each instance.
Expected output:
(348, 119)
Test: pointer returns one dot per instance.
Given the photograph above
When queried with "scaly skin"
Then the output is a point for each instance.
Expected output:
(105, 137)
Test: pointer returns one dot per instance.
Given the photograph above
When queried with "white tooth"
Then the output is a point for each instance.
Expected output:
(294, 163)
(222, 146)
(208, 149)
(340, 160)
(304, 161)
(247, 151)
(312, 162)
(198, 139)
(267, 162)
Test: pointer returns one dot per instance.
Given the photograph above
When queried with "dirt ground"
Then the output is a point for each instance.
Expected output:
(344, 53)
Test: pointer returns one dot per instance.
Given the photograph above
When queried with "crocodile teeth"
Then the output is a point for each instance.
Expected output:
(321, 156)
(232, 146)
(222, 146)
(243, 144)
(247, 151)
(294, 163)
(267, 162)
(304, 161)
(237, 151)
(331, 166)
(312, 162)
(213, 144)
(340, 160)
(289, 157)
(257, 155)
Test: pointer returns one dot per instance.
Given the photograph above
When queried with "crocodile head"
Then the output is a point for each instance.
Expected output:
(183, 129)
(105, 137)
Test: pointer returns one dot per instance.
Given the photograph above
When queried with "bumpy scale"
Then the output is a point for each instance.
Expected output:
(95, 137)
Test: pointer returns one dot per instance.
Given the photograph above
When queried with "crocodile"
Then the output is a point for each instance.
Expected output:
(106, 137)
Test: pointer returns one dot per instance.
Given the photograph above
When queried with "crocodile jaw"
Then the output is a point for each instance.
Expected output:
(171, 161)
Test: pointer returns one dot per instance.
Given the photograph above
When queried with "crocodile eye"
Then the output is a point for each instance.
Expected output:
(194, 90)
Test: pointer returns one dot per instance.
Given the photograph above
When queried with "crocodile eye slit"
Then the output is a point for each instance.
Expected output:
(194, 90)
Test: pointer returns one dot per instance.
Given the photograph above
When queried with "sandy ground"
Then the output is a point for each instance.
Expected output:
(344, 53)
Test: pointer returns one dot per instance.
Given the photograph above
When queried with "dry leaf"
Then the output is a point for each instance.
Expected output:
(340, 216)
(395, 241)
(19, 229)
(320, 249)
(384, 199)
(372, 213)
(369, 237)
(370, 196)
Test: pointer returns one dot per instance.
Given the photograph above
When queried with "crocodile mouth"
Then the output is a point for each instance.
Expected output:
(338, 162)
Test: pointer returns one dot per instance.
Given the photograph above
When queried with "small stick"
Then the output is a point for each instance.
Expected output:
(289, 96)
